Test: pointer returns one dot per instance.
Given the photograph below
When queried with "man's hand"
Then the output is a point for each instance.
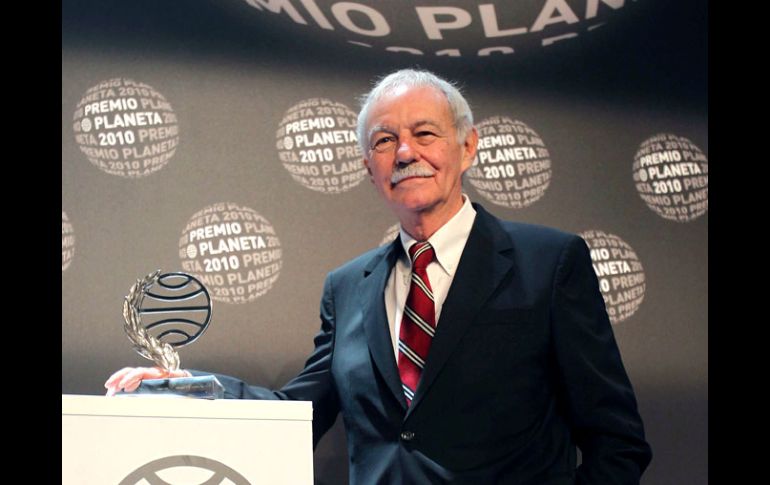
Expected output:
(129, 378)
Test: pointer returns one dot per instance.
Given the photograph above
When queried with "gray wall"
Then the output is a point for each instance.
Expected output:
(220, 78)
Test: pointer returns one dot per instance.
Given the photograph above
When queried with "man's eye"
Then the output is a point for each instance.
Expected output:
(425, 136)
(384, 141)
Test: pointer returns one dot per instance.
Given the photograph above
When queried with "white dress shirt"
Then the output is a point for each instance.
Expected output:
(448, 243)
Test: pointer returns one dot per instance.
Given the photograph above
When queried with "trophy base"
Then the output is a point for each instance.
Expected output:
(200, 387)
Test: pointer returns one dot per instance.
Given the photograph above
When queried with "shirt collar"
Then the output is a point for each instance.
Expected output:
(449, 240)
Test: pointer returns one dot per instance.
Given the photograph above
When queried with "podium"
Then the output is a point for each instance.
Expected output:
(154, 439)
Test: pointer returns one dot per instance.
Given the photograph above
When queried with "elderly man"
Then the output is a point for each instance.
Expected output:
(469, 350)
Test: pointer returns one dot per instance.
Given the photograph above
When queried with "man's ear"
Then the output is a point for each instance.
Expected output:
(469, 148)
(368, 169)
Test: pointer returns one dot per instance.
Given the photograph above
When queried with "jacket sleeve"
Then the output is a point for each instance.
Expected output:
(314, 383)
(602, 409)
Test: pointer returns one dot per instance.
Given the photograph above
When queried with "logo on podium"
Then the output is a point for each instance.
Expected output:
(184, 469)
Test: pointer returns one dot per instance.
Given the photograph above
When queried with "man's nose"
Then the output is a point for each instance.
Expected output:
(405, 153)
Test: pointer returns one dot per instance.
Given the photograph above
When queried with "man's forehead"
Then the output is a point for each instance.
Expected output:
(413, 125)
(432, 106)
(399, 90)
(428, 94)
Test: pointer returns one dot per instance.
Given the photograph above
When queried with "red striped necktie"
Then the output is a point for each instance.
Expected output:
(418, 324)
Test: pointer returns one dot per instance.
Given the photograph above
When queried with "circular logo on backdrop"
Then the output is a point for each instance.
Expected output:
(232, 250)
(184, 469)
(390, 234)
(67, 241)
(317, 144)
(512, 166)
(126, 128)
(449, 28)
(671, 176)
(620, 273)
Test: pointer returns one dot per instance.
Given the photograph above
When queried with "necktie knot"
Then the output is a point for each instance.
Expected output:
(421, 254)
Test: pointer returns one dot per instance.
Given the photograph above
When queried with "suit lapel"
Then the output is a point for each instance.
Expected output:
(375, 318)
(481, 269)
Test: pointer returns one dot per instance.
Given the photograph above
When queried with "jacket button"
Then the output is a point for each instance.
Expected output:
(407, 435)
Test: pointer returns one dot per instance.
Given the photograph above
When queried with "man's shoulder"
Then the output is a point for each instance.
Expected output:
(528, 233)
(536, 245)
(363, 262)
(537, 232)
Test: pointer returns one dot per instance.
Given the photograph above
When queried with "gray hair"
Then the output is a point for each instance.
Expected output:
(458, 106)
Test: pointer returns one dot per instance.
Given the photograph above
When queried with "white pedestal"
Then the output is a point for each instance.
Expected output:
(133, 440)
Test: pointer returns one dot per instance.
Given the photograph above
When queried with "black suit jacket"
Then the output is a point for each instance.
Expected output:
(523, 368)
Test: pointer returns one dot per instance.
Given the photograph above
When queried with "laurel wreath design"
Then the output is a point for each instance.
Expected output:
(149, 347)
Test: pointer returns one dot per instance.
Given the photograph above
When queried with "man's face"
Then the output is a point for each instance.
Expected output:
(413, 156)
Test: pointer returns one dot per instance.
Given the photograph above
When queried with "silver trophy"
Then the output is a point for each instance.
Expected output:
(163, 312)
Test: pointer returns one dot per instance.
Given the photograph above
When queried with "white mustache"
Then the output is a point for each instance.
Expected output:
(410, 170)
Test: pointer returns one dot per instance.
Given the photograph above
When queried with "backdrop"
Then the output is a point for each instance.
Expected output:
(217, 137)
